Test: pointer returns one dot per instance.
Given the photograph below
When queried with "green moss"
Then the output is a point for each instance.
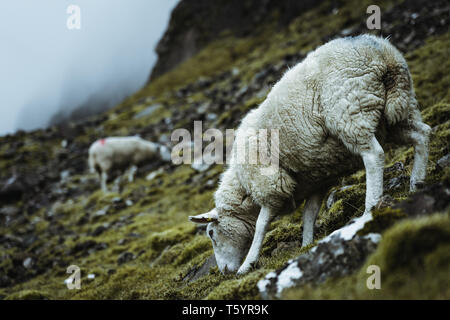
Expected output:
(238, 289)
(436, 114)
(413, 257)
(28, 295)
(428, 65)
(382, 219)
(349, 204)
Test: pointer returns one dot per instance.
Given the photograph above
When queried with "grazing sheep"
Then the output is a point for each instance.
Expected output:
(118, 152)
(331, 111)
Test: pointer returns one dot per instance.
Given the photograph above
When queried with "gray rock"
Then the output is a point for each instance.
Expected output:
(28, 263)
(285, 246)
(444, 162)
(147, 111)
(125, 257)
(397, 182)
(334, 258)
(198, 272)
(434, 198)
(339, 254)
(396, 167)
(101, 212)
(332, 197)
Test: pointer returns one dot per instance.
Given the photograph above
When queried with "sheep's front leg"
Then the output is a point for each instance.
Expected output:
(131, 173)
(264, 218)
(310, 212)
(373, 159)
(103, 180)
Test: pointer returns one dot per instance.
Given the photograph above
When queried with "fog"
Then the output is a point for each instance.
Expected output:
(46, 68)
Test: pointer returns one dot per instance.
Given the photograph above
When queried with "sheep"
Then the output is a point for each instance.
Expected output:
(118, 152)
(331, 111)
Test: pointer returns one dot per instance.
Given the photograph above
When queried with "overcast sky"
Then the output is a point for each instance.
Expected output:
(45, 67)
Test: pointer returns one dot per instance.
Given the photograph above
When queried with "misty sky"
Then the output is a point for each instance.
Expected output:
(45, 67)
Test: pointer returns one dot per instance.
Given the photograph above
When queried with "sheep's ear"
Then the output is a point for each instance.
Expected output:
(210, 216)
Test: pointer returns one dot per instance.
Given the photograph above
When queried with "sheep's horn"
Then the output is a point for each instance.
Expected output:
(210, 216)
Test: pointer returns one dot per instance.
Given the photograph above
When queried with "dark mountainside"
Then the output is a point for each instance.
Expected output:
(215, 64)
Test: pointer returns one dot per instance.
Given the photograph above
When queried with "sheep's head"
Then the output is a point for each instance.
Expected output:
(230, 238)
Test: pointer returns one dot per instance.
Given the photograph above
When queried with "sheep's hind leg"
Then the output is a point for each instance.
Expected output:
(310, 212)
(419, 136)
(264, 218)
(373, 159)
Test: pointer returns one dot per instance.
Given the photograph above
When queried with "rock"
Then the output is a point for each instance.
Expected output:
(285, 246)
(203, 108)
(122, 242)
(118, 203)
(396, 182)
(435, 198)
(28, 263)
(134, 235)
(197, 272)
(91, 276)
(64, 175)
(385, 201)
(396, 167)
(444, 162)
(98, 231)
(101, 212)
(339, 254)
(7, 214)
(152, 175)
(148, 111)
(129, 202)
(332, 197)
(125, 257)
(88, 247)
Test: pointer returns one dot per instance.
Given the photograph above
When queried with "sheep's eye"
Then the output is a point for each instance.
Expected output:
(211, 233)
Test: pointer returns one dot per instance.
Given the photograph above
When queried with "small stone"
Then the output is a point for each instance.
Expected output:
(64, 175)
(101, 212)
(91, 276)
(147, 111)
(98, 231)
(125, 257)
(444, 162)
(28, 263)
(152, 175)
(396, 182)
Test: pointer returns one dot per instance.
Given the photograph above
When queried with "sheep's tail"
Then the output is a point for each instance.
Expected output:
(398, 87)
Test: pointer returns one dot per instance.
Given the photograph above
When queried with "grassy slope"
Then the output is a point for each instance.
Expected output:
(168, 246)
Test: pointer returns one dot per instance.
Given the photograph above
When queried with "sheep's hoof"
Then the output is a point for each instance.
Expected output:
(245, 268)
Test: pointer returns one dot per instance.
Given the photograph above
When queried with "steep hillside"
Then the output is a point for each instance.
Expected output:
(136, 243)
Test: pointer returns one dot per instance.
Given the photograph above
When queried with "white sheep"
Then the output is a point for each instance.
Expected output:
(331, 110)
(119, 152)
